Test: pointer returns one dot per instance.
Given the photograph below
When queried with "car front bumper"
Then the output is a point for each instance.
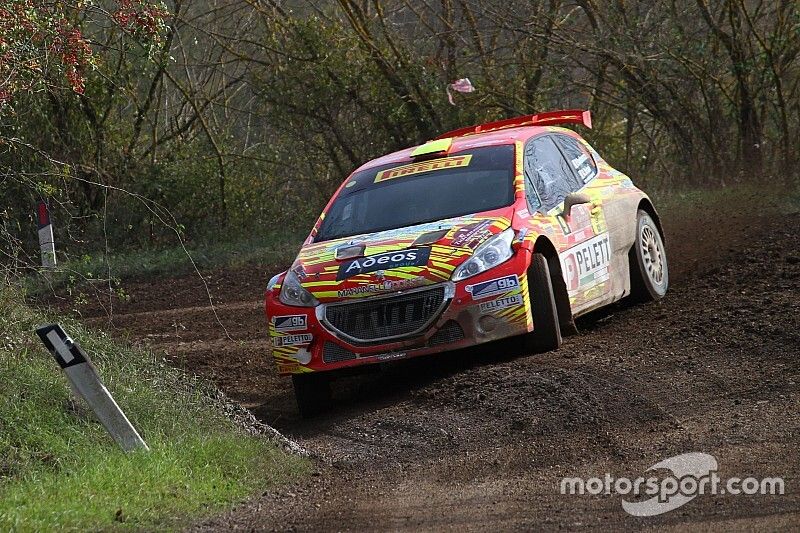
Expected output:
(490, 306)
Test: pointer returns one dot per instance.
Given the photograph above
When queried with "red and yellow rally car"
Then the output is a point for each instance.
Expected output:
(510, 228)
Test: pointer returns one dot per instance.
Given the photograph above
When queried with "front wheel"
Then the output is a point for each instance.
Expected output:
(312, 392)
(546, 334)
(648, 261)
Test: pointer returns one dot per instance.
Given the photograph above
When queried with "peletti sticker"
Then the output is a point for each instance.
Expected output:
(292, 340)
(290, 322)
(423, 166)
(384, 261)
(586, 264)
(493, 286)
(501, 303)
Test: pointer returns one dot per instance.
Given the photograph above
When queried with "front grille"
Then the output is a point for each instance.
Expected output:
(376, 319)
(450, 332)
(333, 353)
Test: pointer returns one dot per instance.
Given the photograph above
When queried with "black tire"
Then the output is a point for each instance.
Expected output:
(546, 334)
(312, 392)
(648, 261)
(565, 318)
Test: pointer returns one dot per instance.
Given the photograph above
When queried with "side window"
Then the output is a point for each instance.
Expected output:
(534, 202)
(578, 156)
(548, 172)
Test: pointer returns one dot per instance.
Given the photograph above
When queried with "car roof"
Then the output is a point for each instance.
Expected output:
(467, 142)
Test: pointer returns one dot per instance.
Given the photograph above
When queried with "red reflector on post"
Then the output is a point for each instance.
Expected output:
(44, 215)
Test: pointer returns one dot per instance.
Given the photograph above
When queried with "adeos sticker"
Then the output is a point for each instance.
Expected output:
(384, 261)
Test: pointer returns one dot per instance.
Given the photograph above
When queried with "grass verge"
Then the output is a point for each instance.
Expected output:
(267, 250)
(744, 198)
(60, 470)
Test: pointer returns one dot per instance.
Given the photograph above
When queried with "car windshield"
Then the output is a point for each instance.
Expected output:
(398, 195)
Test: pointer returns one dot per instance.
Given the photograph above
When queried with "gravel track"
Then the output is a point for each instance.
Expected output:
(479, 439)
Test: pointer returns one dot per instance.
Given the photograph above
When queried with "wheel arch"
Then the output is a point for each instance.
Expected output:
(544, 246)
(647, 206)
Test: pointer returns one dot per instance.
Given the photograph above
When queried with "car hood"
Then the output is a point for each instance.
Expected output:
(393, 260)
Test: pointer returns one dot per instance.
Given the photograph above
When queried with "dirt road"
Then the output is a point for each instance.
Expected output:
(480, 439)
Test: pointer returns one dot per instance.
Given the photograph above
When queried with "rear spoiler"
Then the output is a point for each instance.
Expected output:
(549, 118)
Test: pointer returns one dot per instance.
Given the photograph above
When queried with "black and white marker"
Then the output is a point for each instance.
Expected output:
(86, 382)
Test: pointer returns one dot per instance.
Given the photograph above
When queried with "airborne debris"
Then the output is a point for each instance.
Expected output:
(462, 85)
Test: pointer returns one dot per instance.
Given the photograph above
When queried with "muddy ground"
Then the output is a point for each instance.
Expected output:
(480, 439)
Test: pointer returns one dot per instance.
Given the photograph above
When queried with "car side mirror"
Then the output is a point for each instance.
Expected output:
(574, 198)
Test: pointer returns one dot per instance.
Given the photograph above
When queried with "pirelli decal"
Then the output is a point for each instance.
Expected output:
(423, 166)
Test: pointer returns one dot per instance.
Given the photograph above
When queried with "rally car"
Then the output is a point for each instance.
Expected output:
(511, 228)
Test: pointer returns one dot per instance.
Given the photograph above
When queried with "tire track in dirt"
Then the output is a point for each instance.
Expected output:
(479, 439)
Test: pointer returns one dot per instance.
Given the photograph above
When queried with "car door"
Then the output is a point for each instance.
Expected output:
(554, 168)
(614, 193)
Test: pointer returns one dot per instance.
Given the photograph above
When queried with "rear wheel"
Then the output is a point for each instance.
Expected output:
(546, 334)
(648, 261)
(312, 392)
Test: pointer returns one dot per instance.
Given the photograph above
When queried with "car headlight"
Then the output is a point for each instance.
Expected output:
(293, 293)
(491, 253)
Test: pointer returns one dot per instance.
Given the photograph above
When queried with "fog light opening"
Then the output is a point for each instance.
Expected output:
(303, 356)
(487, 323)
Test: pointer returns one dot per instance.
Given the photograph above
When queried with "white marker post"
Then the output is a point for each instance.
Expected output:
(46, 242)
(86, 382)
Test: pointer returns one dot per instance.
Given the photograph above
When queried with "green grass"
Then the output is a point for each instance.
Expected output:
(745, 197)
(60, 470)
(267, 249)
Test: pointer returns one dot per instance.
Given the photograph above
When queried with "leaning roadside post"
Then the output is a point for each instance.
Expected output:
(86, 382)
(47, 244)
